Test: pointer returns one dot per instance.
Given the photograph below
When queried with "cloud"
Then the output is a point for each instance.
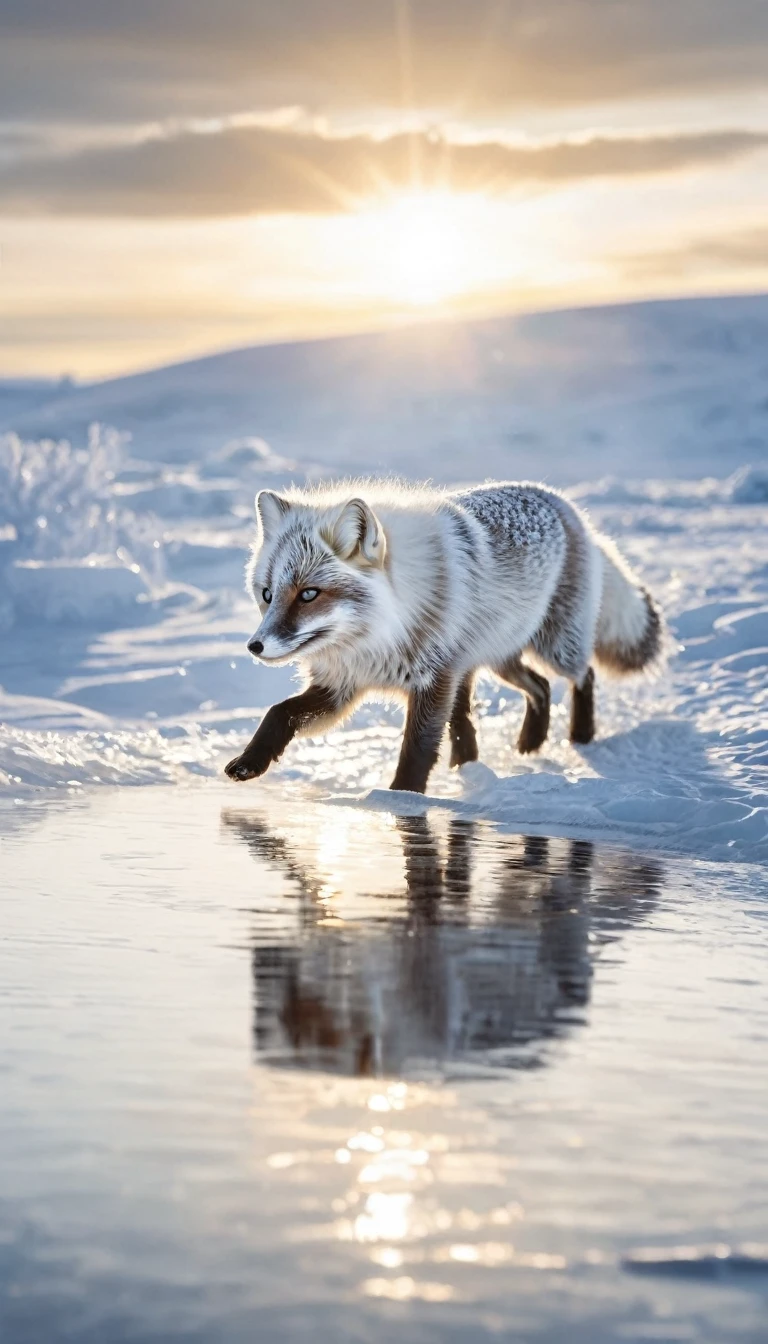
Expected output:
(741, 250)
(111, 59)
(267, 170)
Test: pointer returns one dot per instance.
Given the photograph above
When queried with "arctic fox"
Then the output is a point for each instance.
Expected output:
(380, 588)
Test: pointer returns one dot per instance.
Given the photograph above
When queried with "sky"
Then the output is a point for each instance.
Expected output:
(179, 176)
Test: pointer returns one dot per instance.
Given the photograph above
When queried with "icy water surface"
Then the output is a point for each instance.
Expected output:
(276, 1070)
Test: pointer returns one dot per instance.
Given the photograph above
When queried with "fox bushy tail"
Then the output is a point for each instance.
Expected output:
(630, 627)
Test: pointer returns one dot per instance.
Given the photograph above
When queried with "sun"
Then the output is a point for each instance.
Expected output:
(425, 246)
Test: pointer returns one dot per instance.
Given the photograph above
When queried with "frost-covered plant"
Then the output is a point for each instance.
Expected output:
(58, 498)
(140, 542)
(58, 502)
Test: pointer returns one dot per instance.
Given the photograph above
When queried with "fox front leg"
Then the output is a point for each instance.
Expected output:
(314, 707)
(428, 712)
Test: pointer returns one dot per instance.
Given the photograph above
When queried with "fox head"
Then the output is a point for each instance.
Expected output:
(315, 573)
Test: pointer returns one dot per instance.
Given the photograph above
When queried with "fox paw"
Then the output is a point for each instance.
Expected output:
(463, 743)
(533, 733)
(246, 767)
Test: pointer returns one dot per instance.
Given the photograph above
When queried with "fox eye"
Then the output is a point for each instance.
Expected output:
(309, 594)
(266, 593)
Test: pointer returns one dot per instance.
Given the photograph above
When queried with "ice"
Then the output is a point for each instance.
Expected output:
(749, 485)
(720, 1262)
(126, 513)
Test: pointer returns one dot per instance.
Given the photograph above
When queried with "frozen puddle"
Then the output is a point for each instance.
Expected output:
(288, 1072)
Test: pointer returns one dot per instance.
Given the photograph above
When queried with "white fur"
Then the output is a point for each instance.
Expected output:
(623, 613)
(463, 580)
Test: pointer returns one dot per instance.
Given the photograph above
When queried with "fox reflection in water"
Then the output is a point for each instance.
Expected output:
(491, 955)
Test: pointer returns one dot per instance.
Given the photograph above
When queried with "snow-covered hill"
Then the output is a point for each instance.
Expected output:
(121, 554)
(19, 396)
(664, 389)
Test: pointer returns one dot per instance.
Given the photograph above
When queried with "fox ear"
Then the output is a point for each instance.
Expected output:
(270, 511)
(358, 534)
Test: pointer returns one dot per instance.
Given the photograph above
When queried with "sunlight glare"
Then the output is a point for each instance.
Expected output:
(425, 244)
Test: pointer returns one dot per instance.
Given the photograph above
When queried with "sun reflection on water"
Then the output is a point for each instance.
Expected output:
(385, 1217)
(399, 975)
(395, 1211)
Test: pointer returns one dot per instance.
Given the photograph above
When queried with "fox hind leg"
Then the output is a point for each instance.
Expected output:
(535, 688)
(461, 728)
(582, 725)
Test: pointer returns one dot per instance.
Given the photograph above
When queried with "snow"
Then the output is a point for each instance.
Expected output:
(126, 512)
(94, 589)
(647, 390)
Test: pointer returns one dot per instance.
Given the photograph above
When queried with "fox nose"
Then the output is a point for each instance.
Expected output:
(255, 646)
